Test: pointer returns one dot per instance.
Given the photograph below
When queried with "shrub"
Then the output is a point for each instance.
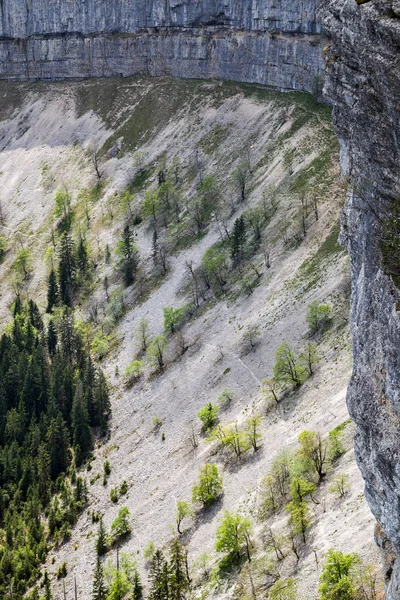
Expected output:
(283, 589)
(3, 246)
(319, 316)
(340, 485)
(123, 488)
(208, 415)
(133, 371)
(157, 424)
(335, 444)
(121, 527)
(62, 571)
(114, 495)
(225, 397)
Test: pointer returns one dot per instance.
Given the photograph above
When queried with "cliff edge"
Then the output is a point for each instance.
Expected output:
(273, 43)
(363, 82)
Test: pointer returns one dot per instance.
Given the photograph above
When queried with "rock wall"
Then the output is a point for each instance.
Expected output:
(363, 82)
(273, 42)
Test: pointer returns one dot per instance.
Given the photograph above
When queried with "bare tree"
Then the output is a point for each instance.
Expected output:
(93, 152)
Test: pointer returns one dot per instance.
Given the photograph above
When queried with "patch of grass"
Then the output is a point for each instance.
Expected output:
(139, 181)
(309, 272)
(316, 173)
(210, 142)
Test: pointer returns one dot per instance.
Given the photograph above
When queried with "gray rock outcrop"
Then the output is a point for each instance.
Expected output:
(271, 42)
(363, 82)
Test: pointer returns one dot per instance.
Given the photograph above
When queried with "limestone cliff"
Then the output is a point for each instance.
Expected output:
(364, 83)
(271, 42)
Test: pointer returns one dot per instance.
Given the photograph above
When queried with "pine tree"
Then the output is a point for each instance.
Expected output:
(82, 257)
(51, 338)
(52, 291)
(127, 256)
(238, 239)
(137, 588)
(67, 270)
(99, 591)
(101, 401)
(58, 444)
(178, 578)
(47, 589)
(82, 434)
(159, 577)
(101, 542)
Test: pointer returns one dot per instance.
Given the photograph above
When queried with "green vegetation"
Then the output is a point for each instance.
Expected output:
(319, 316)
(52, 392)
(183, 511)
(209, 487)
(208, 416)
(233, 535)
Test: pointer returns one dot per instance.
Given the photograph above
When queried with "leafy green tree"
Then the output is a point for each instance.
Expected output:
(234, 438)
(271, 388)
(313, 451)
(233, 534)
(299, 518)
(252, 431)
(173, 319)
(337, 578)
(52, 291)
(119, 586)
(319, 316)
(127, 256)
(208, 415)
(156, 352)
(151, 205)
(288, 367)
(214, 263)
(99, 590)
(142, 334)
(310, 357)
(63, 209)
(335, 443)
(209, 487)
(121, 526)
(300, 489)
(183, 511)
(340, 485)
(23, 262)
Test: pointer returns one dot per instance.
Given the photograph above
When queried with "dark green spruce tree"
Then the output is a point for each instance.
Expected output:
(99, 591)
(52, 291)
(158, 577)
(67, 270)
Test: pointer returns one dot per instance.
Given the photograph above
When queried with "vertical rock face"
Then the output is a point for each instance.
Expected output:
(273, 42)
(363, 82)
